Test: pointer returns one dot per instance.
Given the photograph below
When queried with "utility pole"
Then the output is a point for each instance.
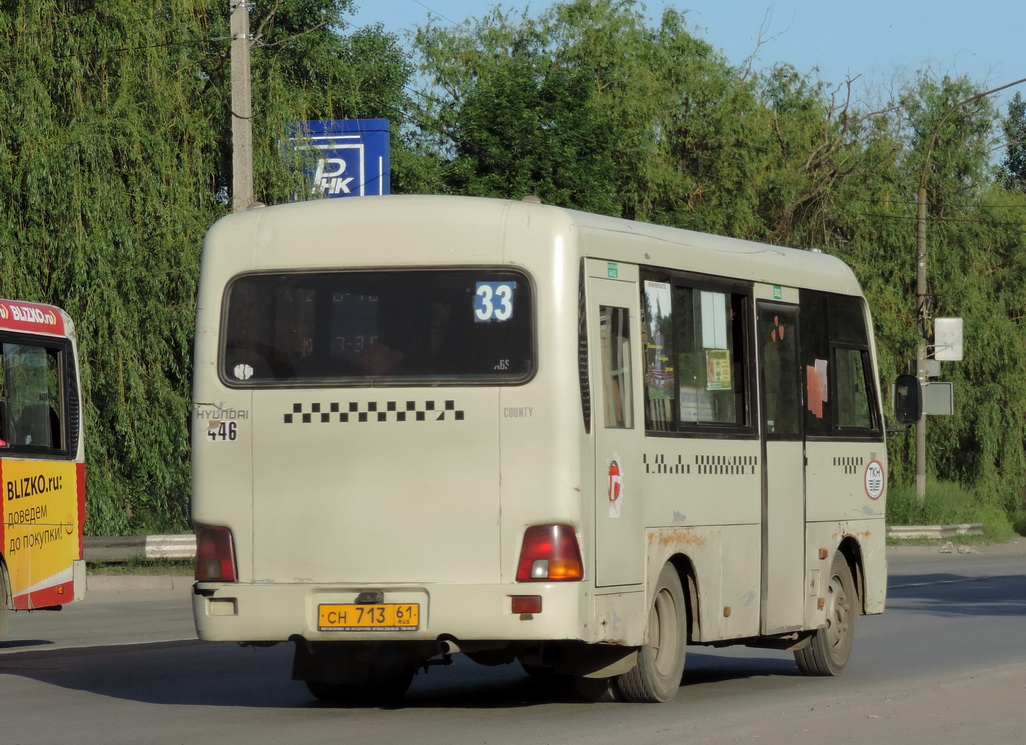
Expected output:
(923, 321)
(241, 108)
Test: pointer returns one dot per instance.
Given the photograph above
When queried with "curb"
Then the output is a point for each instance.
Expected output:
(137, 582)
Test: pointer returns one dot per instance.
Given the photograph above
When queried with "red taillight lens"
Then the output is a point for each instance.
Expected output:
(550, 554)
(215, 554)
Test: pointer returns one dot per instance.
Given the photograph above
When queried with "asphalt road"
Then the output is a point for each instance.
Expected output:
(945, 663)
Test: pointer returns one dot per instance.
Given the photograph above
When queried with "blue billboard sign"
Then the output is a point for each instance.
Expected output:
(350, 157)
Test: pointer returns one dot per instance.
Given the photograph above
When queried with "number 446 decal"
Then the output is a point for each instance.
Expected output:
(493, 301)
(223, 431)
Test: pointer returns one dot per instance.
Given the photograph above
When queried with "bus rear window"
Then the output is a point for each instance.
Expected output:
(400, 327)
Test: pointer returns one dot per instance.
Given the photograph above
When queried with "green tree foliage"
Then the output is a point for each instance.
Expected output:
(561, 153)
(115, 154)
(106, 181)
(1013, 166)
(975, 254)
(589, 105)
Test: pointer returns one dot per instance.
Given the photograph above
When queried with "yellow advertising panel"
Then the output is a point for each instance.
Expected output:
(41, 516)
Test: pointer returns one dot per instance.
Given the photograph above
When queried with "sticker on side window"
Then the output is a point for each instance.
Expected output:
(493, 301)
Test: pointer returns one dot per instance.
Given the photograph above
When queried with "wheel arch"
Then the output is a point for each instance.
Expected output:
(689, 582)
(851, 550)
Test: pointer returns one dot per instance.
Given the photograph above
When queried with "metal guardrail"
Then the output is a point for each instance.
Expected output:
(934, 531)
(183, 547)
(140, 548)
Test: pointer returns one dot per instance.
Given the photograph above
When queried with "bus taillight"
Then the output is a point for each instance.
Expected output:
(215, 554)
(550, 554)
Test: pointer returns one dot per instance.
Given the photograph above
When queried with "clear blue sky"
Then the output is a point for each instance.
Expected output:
(882, 40)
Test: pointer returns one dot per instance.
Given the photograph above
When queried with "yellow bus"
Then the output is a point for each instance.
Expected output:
(42, 465)
(426, 426)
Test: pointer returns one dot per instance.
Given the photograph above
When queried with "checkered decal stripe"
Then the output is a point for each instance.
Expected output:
(374, 411)
(851, 465)
(711, 465)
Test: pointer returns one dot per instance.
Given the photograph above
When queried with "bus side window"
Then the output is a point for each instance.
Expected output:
(840, 393)
(6, 434)
(852, 392)
(33, 390)
(659, 364)
(34, 426)
(616, 366)
(777, 334)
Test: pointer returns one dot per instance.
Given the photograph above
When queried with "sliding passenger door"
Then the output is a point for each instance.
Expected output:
(783, 520)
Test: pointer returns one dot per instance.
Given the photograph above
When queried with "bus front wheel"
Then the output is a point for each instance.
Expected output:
(830, 647)
(657, 675)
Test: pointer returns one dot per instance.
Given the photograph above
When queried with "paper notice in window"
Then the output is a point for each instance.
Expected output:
(816, 387)
(717, 363)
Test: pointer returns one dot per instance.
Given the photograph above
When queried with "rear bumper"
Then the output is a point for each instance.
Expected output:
(279, 612)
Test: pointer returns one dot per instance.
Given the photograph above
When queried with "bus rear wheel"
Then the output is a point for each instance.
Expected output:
(656, 677)
(828, 651)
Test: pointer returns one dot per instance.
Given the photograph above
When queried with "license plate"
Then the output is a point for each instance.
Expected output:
(375, 617)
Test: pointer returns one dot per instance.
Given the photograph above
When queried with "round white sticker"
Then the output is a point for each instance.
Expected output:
(874, 479)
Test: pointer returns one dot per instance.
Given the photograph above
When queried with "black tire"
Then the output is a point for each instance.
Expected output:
(656, 677)
(333, 692)
(828, 651)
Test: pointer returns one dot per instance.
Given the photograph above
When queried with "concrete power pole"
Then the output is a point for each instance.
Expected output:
(923, 320)
(242, 108)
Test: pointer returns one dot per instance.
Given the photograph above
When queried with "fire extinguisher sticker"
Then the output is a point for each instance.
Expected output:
(615, 486)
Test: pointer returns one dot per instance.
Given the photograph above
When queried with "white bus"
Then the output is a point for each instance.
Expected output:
(435, 425)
